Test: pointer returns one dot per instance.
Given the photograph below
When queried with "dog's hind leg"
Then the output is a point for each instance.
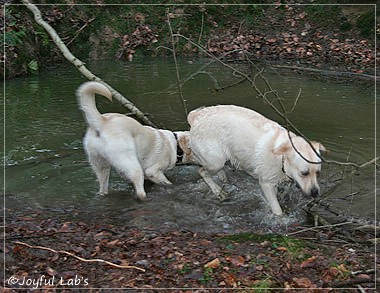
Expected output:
(130, 167)
(102, 171)
(215, 188)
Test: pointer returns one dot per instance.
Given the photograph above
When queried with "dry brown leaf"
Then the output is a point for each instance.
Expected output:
(303, 282)
(309, 262)
(51, 272)
(215, 263)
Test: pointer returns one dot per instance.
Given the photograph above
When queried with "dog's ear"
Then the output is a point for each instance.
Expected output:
(282, 149)
(183, 142)
(319, 147)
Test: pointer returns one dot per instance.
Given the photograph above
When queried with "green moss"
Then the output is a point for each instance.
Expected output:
(292, 246)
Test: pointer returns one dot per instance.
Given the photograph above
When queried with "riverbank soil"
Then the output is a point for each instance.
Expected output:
(338, 37)
(43, 247)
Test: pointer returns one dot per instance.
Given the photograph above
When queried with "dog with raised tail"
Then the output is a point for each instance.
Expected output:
(255, 144)
(135, 151)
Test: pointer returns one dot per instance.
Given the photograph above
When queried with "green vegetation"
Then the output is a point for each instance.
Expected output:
(184, 269)
(33, 66)
(280, 243)
(207, 275)
(263, 286)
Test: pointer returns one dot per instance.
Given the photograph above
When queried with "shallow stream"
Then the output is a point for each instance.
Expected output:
(46, 168)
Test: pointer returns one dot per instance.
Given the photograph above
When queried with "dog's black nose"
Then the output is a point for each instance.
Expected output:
(314, 192)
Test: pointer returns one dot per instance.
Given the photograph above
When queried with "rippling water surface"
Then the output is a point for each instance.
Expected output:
(46, 167)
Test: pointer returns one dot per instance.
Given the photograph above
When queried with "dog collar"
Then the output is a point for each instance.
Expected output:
(283, 168)
(179, 150)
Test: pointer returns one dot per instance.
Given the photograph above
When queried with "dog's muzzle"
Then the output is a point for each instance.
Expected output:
(314, 192)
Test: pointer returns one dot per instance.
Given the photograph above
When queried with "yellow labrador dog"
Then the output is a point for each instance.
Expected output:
(255, 144)
(134, 150)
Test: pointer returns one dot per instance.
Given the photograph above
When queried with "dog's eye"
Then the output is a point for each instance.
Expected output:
(318, 173)
(305, 173)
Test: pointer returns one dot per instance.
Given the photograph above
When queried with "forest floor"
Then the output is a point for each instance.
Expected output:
(62, 252)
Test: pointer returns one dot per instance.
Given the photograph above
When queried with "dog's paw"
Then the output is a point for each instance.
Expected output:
(167, 182)
(144, 199)
(222, 176)
(223, 196)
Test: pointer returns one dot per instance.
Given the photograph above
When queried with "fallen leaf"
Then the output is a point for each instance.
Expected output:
(55, 257)
(229, 279)
(281, 248)
(215, 263)
(113, 243)
(51, 272)
(364, 276)
(303, 282)
(237, 260)
(310, 262)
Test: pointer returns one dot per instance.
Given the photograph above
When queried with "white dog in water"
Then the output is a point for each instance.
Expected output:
(255, 144)
(134, 150)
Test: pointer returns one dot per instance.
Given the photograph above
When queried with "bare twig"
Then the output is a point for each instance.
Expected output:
(81, 29)
(350, 282)
(328, 72)
(296, 101)
(318, 227)
(373, 161)
(203, 21)
(78, 257)
(369, 271)
(176, 64)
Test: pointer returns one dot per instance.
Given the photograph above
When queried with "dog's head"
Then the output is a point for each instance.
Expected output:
(302, 163)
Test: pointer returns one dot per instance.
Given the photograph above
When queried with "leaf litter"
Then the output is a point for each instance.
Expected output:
(181, 259)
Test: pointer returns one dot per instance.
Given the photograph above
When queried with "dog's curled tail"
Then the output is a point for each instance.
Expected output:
(86, 98)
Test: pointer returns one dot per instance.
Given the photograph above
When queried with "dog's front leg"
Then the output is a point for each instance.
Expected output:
(215, 188)
(270, 194)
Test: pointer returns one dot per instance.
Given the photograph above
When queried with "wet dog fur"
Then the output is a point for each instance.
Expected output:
(255, 144)
(134, 150)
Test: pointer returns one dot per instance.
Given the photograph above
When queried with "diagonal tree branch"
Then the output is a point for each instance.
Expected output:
(80, 65)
